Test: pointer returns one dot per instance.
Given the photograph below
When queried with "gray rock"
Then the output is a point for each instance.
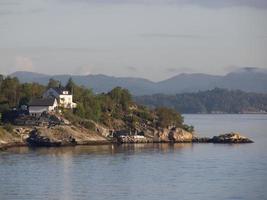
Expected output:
(232, 137)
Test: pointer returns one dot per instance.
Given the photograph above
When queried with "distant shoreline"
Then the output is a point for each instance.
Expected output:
(224, 113)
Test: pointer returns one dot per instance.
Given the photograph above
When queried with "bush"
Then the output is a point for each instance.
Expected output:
(144, 114)
(8, 127)
(168, 117)
(89, 125)
(4, 106)
(71, 117)
(188, 128)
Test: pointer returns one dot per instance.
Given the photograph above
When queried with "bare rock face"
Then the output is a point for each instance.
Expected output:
(134, 139)
(232, 137)
(39, 137)
(62, 136)
(13, 138)
(175, 135)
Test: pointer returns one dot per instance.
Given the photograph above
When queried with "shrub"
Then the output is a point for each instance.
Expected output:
(89, 125)
(8, 127)
(188, 128)
(168, 117)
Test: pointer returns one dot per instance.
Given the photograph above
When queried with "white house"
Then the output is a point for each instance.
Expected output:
(62, 95)
(38, 106)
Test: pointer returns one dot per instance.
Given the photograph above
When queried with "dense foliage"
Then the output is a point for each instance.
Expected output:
(13, 93)
(114, 109)
(211, 101)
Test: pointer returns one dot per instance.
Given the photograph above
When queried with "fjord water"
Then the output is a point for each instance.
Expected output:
(145, 171)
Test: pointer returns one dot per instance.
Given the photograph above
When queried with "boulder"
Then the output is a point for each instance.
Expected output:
(232, 137)
(48, 138)
(175, 135)
(63, 136)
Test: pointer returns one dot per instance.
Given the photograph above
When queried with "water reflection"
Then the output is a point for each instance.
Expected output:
(143, 171)
(67, 176)
(102, 149)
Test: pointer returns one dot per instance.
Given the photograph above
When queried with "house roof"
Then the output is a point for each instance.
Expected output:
(59, 90)
(42, 102)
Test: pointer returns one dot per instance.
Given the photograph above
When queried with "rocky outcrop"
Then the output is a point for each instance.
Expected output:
(178, 135)
(174, 135)
(63, 136)
(134, 139)
(15, 137)
(232, 137)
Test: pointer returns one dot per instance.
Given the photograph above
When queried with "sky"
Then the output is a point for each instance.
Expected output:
(153, 39)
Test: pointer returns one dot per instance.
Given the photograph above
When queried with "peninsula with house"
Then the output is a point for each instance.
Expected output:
(54, 115)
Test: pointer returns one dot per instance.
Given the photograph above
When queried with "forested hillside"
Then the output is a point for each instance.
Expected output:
(210, 101)
(115, 109)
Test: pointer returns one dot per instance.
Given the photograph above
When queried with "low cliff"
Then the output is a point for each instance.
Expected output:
(233, 137)
(49, 136)
(64, 135)
(72, 135)
(14, 137)
(178, 135)
(174, 135)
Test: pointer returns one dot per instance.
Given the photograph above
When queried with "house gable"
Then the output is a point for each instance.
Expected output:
(38, 106)
(62, 95)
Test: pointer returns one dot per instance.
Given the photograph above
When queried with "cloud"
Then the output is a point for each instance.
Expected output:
(23, 63)
(168, 35)
(9, 3)
(82, 70)
(131, 68)
(230, 69)
(262, 37)
(206, 3)
(21, 12)
(19, 8)
(253, 69)
(179, 70)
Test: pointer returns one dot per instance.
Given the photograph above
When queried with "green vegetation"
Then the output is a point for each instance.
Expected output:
(168, 117)
(211, 101)
(115, 109)
(13, 93)
(8, 127)
(53, 83)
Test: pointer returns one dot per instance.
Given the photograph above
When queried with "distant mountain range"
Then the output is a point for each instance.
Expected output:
(246, 79)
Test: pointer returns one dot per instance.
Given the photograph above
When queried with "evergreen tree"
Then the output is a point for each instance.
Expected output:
(70, 85)
(53, 83)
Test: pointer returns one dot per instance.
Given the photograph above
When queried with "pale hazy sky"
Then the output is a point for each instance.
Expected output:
(153, 39)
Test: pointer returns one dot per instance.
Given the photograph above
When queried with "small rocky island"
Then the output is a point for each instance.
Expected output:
(63, 135)
(74, 115)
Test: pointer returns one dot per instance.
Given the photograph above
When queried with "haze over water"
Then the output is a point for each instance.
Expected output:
(145, 171)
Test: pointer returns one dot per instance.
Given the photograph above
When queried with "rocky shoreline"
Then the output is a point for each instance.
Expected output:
(232, 137)
(71, 135)
(228, 138)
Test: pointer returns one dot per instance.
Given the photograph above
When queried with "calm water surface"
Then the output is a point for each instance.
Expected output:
(145, 171)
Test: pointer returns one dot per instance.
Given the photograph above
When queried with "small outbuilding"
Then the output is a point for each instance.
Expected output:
(38, 106)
